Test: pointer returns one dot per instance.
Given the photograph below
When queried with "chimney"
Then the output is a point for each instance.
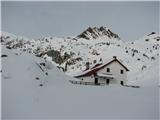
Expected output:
(114, 57)
(87, 65)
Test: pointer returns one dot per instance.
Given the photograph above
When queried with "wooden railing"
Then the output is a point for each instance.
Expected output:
(98, 84)
(133, 86)
(85, 83)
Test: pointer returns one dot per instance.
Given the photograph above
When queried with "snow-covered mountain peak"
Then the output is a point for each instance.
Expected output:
(96, 32)
(152, 37)
(7, 37)
(152, 33)
(71, 54)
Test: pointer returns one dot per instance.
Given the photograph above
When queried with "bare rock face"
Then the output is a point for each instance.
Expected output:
(95, 32)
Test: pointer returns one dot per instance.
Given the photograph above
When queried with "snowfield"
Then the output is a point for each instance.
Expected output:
(24, 98)
(34, 88)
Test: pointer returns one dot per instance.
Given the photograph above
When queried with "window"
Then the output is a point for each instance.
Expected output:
(108, 69)
(122, 83)
(96, 81)
(121, 71)
(107, 82)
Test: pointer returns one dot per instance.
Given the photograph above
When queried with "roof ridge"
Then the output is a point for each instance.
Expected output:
(95, 69)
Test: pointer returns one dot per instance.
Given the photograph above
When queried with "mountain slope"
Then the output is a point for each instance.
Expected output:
(24, 98)
(33, 87)
(72, 53)
(95, 32)
(31, 67)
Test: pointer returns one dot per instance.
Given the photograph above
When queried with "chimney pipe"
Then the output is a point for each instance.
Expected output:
(115, 57)
(87, 65)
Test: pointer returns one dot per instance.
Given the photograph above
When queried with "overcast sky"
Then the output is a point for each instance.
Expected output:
(131, 20)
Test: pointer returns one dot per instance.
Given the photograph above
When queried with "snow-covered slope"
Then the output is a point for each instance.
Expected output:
(33, 87)
(72, 53)
(16, 62)
(23, 97)
(95, 32)
(24, 79)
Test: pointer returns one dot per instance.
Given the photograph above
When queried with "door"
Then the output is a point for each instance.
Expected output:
(107, 81)
(96, 80)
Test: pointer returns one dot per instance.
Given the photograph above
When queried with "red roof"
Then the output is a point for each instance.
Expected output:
(96, 68)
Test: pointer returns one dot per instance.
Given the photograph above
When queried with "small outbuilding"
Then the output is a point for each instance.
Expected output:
(110, 72)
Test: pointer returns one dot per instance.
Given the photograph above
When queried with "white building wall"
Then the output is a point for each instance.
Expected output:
(101, 80)
(87, 79)
(115, 68)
